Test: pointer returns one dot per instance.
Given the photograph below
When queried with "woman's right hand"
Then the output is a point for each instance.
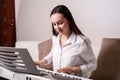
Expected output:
(41, 63)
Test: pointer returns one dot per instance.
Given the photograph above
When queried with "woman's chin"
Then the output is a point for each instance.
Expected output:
(60, 34)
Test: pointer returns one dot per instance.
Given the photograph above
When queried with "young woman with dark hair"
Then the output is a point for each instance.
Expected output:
(71, 50)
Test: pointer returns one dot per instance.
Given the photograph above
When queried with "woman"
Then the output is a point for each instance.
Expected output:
(71, 50)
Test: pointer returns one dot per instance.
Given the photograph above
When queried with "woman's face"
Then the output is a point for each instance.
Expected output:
(60, 23)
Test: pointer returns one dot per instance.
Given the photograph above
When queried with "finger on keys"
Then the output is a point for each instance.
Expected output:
(61, 70)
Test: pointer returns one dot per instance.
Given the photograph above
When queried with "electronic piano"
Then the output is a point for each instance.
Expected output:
(17, 64)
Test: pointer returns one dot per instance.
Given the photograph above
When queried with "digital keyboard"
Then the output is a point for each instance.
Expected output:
(61, 76)
(48, 75)
(20, 66)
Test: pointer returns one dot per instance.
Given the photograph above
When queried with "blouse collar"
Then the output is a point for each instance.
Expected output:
(70, 40)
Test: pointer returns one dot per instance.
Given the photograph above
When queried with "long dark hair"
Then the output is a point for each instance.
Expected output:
(67, 14)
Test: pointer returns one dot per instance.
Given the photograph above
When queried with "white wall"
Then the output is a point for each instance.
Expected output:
(96, 18)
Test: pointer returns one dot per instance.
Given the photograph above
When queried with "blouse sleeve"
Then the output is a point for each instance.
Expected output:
(50, 54)
(88, 56)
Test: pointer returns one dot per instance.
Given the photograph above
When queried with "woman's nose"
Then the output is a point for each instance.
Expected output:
(58, 26)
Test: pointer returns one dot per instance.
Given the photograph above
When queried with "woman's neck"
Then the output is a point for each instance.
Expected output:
(64, 38)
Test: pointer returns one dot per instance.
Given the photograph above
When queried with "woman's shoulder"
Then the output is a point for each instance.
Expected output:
(82, 39)
(55, 39)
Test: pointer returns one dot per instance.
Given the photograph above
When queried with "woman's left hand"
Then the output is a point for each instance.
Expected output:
(67, 70)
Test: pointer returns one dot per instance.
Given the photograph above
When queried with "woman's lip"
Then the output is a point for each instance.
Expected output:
(60, 30)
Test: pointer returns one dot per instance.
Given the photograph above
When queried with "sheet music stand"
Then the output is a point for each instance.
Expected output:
(17, 60)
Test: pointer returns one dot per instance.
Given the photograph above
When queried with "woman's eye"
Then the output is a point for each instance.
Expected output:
(54, 24)
(60, 23)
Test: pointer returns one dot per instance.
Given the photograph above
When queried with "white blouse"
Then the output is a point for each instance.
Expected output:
(76, 51)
